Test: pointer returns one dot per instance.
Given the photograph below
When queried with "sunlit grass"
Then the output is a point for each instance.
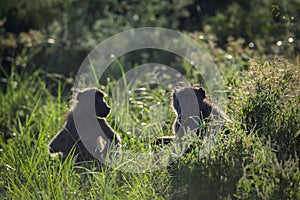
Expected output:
(250, 161)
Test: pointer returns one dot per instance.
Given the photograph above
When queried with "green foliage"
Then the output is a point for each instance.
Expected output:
(255, 157)
(70, 29)
(268, 178)
(261, 23)
(24, 100)
(57, 35)
(259, 159)
(250, 160)
(271, 104)
(28, 171)
(213, 174)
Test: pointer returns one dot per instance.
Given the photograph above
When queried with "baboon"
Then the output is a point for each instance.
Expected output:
(90, 108)
(191, 108)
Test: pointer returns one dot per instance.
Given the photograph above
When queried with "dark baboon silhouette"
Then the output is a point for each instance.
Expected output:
(90, 107)
(191, 108)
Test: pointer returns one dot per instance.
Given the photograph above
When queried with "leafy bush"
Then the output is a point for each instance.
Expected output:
(270, 104)
(261, 23)
(268, 178)
(71, 29)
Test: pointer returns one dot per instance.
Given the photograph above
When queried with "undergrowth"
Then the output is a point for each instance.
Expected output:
(257, 157)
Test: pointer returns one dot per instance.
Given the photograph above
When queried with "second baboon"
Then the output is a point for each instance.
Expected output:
(87, 117)
(191, 108)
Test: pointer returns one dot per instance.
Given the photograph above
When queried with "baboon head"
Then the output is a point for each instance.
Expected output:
(189, 101)
(68, 137)
(87, 97)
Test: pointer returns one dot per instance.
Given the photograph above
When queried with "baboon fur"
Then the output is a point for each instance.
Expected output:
(191, 107)
(90, 106)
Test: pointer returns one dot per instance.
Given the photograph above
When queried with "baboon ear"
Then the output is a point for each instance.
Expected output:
(99, 93)
(201, 92)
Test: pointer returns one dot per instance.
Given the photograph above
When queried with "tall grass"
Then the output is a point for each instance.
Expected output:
(257, 158)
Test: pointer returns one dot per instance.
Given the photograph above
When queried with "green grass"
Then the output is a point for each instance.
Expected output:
(257, 159)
